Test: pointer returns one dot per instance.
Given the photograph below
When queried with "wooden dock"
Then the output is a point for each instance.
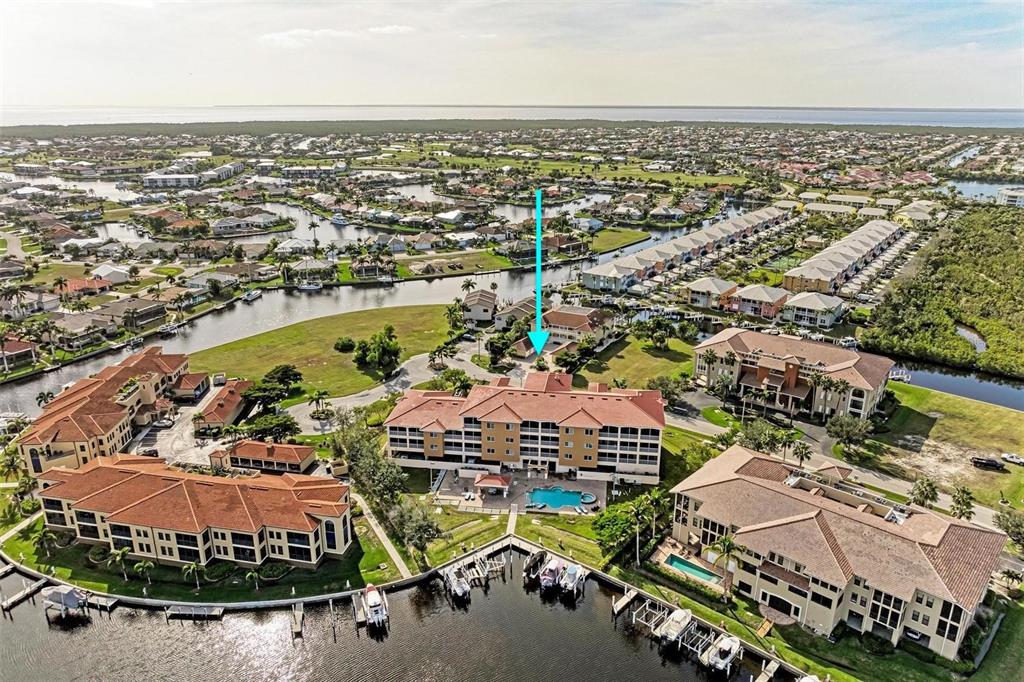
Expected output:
(358, 609)
(298, 617)
(193, 612)
(622, 602)
(768, 672)
(29, 590)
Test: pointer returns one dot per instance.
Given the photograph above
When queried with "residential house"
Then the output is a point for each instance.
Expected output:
(758, 299)
(522, 309)
(132, 313)
(15, 352)
(112, 273)
(479, 306)
(190, 386)
(708, 292)
(224, 408)
(813, 309)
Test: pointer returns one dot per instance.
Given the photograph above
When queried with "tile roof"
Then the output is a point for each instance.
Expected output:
(225, 401)
(272, 452)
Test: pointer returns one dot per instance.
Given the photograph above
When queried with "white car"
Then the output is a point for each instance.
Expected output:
(1012, 458)
(163, 423)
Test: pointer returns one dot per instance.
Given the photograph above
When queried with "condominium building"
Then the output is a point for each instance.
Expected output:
(171, 516)
(170, 180)
(829, 269)
(798, 376)
(96, 416)
(1011, 196)
(759, 300)
(708, 292)
(812, 309)
(224, 408)
(825, 552)
(598, 433)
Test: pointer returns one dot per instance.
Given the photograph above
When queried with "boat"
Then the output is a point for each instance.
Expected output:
(252, 295)
(310, 286)
(899, 375)
(133, 342)
(376, 606)
(726, 651)
(571, 578)
(673, 627)
(847, 342)
(460, 584)
(168, 329)
(533, 565)
(552, 572)
(339, 219)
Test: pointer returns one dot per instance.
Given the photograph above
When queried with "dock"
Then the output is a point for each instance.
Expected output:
(705, 656)
(298, 617)
(358, 609)
(27, 592)
(193, 612)
(622, 602)
(102, 603)
(650, 615)
(6, 570)
(768, 672)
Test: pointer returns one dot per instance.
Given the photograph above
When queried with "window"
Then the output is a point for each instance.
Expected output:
(510, 440)
(925, 620)
(569, 431)
(298, 539)
(769, 579)
(797, 591)
(915, 616)
(510, 427)
(568, 443)
(330, 535)
(821, 600)
(588, 446)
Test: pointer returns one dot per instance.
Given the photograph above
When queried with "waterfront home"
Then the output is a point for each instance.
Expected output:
(825, 554)
(132, 313)
(96, 416)
(479, 306)
(368, 265)
(565, 244)
(452, 217)
(226, 280)
(708, 292)
(587, 224)
(294, 246)
(522, 309)
(759, 300)
(390, 242)
(250, 272)
(11, 269)
(791, 370)
(224, 408)
(313, 268)
(74, 331)
(175, 517)
(190, 386)
(424, 241)
(667, 213)
(179, 298)
(813, 309)
(598, 433)
(15, 352)
(115, 274)
(569, 324)
(522, 250)
(827, 270)
(267, 457)
(170, 180)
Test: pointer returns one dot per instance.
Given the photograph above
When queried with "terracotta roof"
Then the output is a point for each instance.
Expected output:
(143, 491)
(272, 452)
(941, 556)
(190, 380)
(225, 401)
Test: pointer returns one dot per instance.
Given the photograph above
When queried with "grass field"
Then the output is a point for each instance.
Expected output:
(572, 535)
(471, 262)
(51, 271)
(612, 238)
(167, 271)
(1005, 660)
(957, 428)
(309, 346)
(636, 361)
(465, 531)
(719, 417)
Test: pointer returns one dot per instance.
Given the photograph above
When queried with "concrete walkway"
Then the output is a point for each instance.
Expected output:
(513, 513)
(14, 249)
(18, 528)
(382, 536)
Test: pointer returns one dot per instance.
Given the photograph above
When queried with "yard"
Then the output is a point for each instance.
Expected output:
(51, 271)
(465, 531)
(1005, 659)
(636, 361)
(612, 238)
(472, 261)
(309, 346)
(674, 464)
(357, 567)
(571, 535)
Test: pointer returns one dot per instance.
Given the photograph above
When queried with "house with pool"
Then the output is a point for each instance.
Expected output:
(819, 551)
(545, 425)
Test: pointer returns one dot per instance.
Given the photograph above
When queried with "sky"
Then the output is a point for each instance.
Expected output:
(922, 53)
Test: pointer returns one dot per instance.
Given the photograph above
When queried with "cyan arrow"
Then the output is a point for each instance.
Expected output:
(538, 337)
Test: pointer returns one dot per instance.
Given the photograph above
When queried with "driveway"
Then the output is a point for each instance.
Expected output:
(177, 444)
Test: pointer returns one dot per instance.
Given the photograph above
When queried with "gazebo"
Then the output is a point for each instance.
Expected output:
(483, 483)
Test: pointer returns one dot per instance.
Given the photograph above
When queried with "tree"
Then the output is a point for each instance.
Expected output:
(638, 509)
(727, 550)
(415, 525)
(318, 399)
(44, 539)
(10, 464)
(215, 287)
(43, 397)
(285, 375)
(963, 503)
(497, 348)
(457, 381)
(802, 452)
(277, 427)
(193, 570)
(760, 435)
(144, 568)
(659, 503)
(924, 492)
(847, 429)
(468, 285)
(117, 558)
(1012, 523)
(381, 352)
(266, 394)
(253, 576)
(612, 527)
(453, 314)
(709, 357)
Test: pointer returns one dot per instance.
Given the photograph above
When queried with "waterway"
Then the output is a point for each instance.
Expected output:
(961, 157)
(70, 114)
(979, 189)
(504, 633)
(99, 189)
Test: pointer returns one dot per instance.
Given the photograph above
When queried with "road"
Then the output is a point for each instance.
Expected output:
(14, 249)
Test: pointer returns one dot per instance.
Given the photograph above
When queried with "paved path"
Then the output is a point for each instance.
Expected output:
(21, 524)
(695, 424)
(382, 536)
(14, 249)
(513, 513)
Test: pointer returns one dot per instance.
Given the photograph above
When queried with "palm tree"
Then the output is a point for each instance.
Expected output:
(117, 557)
(710, 357)
(658, 501)
(5, 329)
(43, 397)
(727, 550)
(468, 285)
(802, 452)
(44, 539)
(453, 315)
(924, 492)
(318, 399)
(494, 286)
(193, 570)
(789, 438)
(10, 465)
(963, 503)
(144, 568)
(637, 510)
(254, 577)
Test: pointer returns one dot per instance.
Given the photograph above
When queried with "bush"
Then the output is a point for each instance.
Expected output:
(693, 587)
(875, 645)
(322, 415)
(98, 554)
(273, 570)
(219, 570)
(345, 344)
(30, 506)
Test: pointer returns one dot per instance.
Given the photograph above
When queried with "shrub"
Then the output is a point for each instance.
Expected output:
(219, 570)
(322, 415)
(876, 645)
(345, 344)
(684, 584)
(272, 570)
(98, 554)
(30, 506)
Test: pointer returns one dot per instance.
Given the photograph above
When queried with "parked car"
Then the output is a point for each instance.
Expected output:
(1012, 458)
(988, 463)
(148, 452)
(163, 423)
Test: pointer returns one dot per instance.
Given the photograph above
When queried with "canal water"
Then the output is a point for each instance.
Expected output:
(100, 189)
(504, 633)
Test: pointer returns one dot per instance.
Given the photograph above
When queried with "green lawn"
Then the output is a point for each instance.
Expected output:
(636, 361)
(465, 531)
(965, 427)
(1005, 660)
(5, 499)
(571, 535)
(357, 567)
(309, 346)
(612, 238)
(471, 262)
(719, 417)
(167, 271)
(51, 271)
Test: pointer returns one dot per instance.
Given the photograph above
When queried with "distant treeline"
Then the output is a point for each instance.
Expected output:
(318, 128)
(971, 277)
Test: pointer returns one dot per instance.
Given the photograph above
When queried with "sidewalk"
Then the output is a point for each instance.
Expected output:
(382, 536)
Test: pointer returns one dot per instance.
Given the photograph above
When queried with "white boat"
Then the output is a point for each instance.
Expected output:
(899, 375)
(552, 572)
(168, 329)
(673, 627)
(376, 606)
(252, 295)
(726, 651)
(310, 286)
(339, 219)
(460, 584)
(571, 578)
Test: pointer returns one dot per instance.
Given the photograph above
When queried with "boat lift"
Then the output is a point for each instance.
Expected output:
(28, 591)
(650, 615)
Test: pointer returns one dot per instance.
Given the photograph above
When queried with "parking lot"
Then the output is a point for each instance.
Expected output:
(178, 443)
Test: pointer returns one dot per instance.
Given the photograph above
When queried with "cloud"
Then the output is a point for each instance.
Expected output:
(301, 37)
(390, 29)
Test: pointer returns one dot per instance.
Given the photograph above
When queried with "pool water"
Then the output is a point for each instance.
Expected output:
(556, 497)
(680, 564)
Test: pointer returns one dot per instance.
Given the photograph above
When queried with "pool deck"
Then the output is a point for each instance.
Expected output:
(670, 546)
(453, 488)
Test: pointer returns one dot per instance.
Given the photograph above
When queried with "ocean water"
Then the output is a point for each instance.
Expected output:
(67, 115)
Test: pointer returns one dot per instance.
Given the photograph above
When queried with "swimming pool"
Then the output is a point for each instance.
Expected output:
(556, 496)
(688, 567)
